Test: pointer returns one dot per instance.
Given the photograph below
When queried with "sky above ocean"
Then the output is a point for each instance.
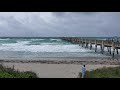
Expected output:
(59, 24)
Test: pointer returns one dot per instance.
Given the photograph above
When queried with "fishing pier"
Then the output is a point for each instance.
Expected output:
(111, 45)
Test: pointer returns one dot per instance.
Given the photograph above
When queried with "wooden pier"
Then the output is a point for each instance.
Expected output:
(111, 45)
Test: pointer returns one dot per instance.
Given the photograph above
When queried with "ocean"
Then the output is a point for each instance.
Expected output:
(33, 48)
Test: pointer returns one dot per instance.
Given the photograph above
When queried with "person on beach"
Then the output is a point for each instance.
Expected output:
(83, 71)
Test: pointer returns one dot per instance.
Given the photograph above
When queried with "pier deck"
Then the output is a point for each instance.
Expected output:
(111, 45)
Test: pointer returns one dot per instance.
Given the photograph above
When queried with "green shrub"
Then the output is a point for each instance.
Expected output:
(11, 73)
(105, 72)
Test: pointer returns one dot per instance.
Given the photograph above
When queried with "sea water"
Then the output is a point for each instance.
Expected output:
(35, 48)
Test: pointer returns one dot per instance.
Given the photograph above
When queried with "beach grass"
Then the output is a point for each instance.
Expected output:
(11, 73)
(105, 72)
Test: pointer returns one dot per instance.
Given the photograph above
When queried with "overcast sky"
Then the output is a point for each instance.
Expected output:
(47, 24)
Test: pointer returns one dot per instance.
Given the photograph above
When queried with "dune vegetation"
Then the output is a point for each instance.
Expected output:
(6, 72)
(105, 72)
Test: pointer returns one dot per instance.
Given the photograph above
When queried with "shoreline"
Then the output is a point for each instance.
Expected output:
(79, 61)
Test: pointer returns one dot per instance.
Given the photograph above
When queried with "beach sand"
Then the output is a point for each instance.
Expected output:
(54, 70)
(59, 69)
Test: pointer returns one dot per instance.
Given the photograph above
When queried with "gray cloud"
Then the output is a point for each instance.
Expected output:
(59, 24)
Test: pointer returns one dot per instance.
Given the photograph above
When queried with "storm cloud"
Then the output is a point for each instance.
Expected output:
(59, 24)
